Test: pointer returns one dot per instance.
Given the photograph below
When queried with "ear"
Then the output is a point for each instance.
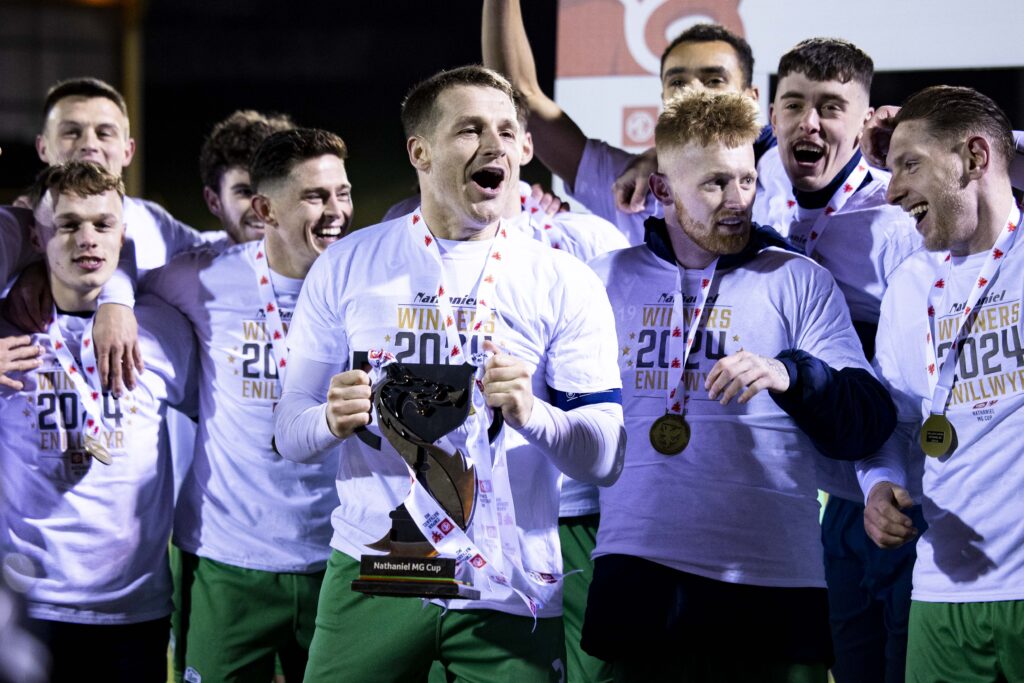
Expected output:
(977, 155)
(212, 201)
(261, 205)
(771, 119)
(129, 152)
(419, 153)
(660, 187)
(753, 93)
(527, 149)
(37, 243)
(41, 149)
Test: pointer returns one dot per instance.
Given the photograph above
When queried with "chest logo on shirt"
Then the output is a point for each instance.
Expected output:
(254, 360)
(419, 336)
(644, 348)
(990, 365)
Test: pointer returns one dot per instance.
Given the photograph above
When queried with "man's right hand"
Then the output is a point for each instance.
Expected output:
(883, 521)
(17, 354)
(29, 305)
(874, 140)
(631, 187)
(348, 403)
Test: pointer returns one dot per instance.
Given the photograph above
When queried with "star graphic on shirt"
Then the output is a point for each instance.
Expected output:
(387, 338)
(625, 350)
(231, 359)
(629, 363)
(236, 371)
(235, 349)
(133, 410)
(736, 337)
(632, 335)
(27, 412)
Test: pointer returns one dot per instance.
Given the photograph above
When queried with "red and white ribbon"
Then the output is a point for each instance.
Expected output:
(837, 202)
(84, 378)
(941, 371)
(678, 351)
(275, 327)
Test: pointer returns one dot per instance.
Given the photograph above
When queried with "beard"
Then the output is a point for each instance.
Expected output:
(714, 240)
(945, 213)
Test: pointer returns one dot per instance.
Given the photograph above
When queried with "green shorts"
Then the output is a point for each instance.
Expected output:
(239, 620)
(966, 641)
(578, 536)
(371, 639)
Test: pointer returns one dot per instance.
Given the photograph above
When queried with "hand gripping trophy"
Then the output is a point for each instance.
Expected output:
(416, 406)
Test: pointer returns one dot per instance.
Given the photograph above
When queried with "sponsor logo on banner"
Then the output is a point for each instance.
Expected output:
(627, 37)
(638, 126)
(446, 526)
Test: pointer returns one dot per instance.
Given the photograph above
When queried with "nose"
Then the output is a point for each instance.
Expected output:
(88, 140)
(737, 197)
(87, 236)
(895, 193)
(334, 206)
(491, 143)
(810, 121)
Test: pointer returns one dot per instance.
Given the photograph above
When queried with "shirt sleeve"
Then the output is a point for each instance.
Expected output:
(600, 166)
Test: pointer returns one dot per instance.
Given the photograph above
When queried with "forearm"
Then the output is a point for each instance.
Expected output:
(586, 443)
(847, 413)
(889, 463)
(301, 433)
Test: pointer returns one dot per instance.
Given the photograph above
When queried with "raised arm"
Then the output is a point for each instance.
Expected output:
(558, 141)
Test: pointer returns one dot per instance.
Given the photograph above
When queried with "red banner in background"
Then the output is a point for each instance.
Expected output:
(627, 37)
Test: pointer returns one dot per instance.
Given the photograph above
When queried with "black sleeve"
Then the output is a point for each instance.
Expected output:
(847, 413)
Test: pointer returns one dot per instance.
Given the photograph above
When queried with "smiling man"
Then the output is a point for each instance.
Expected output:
(86, 475)
(738, 363)
(816, 189)
(950, 352)
(254, 528)
(411, 288)
(224, 162)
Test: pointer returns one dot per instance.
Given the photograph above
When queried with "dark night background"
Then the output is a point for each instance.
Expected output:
(343, 66)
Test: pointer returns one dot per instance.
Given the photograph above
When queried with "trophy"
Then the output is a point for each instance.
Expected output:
(416, 405)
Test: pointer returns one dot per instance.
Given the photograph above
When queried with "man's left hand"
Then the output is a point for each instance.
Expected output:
(507, 386)
(748, 373)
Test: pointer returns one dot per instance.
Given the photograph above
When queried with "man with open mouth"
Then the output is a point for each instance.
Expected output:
(450, 284)
(949, 350)
(254, 528)
(832, 208)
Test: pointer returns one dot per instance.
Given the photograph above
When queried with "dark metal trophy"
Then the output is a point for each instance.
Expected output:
(416, 405)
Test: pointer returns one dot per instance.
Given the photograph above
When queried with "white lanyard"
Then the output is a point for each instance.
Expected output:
(275, 327)
(88, 387)
(837, 202)
(675, 397)
(941, 375)
(538, 219)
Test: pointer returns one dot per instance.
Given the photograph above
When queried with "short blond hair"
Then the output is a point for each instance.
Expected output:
(705, 117)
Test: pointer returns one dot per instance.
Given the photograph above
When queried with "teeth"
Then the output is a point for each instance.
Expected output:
(328, 232)
(918, 210)
(806, 147)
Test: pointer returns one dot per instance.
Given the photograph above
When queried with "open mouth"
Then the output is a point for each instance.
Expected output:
(808, 152)
(328, 233)
(88, 262)
(918, 211)
(732, 221)
(489, 178)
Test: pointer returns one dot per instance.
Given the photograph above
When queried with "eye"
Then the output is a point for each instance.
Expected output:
(345, 196)
(313, 197)
(244, 192)
(716, 82)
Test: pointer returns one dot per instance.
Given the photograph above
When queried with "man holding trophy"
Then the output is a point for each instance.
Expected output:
(491, 368)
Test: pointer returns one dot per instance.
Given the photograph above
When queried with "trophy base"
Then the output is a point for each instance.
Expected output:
(411, 577)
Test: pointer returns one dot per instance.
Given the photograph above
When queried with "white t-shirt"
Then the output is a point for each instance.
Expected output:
(242, 503)
(376, 290)
(862, 244)
(95, 535)
(744, 462)
(600, 166)
(973, 550)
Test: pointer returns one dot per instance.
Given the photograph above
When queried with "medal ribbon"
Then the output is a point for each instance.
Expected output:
(534, 216)
(940, 375)
(275, 327)
(88, 386)
(839, 199)
(677, 351)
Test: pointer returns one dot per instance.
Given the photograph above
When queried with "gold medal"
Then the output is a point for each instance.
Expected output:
(670, 434)
(938, 438)
(94, 448)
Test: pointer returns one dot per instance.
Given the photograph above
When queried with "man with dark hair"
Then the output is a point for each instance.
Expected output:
(949, 342)
(86, 475)
(818, 192)
(705, 56)
(224, 163)
(709, 310)
(254, 528)
(411, 289)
